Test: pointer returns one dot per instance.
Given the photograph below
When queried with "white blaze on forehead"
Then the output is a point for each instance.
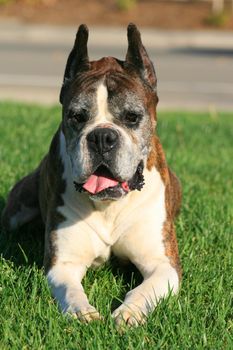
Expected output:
(103, 115)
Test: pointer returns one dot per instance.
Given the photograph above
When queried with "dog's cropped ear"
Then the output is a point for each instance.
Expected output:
(138, 57)
(78, 58)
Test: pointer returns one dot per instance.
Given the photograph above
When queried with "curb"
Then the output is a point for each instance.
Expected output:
(114, 36)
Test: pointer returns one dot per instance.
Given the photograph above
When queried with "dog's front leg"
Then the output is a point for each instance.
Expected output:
(147, 253)
(69, 252)
(159, 278)
(65, 282)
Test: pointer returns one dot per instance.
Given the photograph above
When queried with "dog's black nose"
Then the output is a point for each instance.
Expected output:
(102, 140)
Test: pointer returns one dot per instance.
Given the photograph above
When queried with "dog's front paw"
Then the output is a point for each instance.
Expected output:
(128, 314)
(87, 314)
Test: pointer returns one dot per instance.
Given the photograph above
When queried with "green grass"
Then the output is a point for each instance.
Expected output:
(199, 147)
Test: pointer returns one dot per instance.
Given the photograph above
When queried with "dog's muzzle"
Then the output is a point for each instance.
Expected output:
(103, 143)
(102, 185)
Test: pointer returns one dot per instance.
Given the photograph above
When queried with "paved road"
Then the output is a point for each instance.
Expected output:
(190, 74)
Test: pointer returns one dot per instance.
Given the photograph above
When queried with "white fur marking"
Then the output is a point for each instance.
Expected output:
(103, 114)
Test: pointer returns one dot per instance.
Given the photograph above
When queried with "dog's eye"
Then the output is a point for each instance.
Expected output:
(132, 118)
(80, 117)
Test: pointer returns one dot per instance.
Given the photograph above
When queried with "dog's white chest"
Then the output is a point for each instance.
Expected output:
(94, 229)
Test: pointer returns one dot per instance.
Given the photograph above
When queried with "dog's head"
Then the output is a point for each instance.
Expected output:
(108, 117)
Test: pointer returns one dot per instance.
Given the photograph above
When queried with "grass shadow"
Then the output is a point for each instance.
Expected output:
(24, 246)
(129, 276)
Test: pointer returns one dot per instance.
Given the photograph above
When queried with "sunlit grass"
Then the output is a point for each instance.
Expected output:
(199, 148)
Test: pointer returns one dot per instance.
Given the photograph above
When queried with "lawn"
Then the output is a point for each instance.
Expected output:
(199, 148)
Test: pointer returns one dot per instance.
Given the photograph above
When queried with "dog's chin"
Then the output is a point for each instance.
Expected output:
(116, 189)
(109, 194)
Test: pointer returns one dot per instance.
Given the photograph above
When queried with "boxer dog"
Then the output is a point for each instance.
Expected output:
(104, 187)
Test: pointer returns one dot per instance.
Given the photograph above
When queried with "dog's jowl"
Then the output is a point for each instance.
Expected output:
(104, 187)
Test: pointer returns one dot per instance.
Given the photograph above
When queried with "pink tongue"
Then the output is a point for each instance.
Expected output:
(96, 184)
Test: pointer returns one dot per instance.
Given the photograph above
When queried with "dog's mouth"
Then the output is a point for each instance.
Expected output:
(102, 183)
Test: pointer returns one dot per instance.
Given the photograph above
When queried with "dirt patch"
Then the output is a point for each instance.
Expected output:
(149, 13)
